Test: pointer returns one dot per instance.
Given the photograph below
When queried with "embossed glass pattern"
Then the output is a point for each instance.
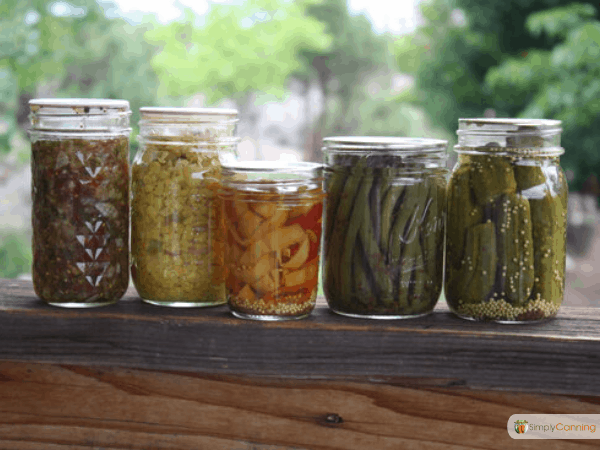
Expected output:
(80, 194)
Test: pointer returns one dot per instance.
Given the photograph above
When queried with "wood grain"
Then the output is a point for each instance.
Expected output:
(559, 356)
(69, 407)
(134, 376)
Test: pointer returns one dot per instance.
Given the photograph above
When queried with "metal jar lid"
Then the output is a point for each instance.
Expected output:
(79, 114)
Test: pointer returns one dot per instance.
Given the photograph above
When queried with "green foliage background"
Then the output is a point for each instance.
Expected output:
(527, 58)
(521, 58)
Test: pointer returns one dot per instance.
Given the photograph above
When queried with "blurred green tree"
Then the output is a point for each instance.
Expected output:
(448, 60)
(562, 83)
(238, 50)
(15, 255)
(258, 46)
(60, 49)
(355, 51)
(343, 73)
(72, 49)
(533, 58)
(69, 50)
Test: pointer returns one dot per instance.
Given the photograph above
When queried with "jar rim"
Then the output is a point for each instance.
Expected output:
(384, 143)
(261, 176)
(273, 167)
(78, 106)
(532, 152)
(507, 125)
(177, 111)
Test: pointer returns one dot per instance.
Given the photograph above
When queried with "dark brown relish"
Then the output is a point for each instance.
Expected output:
(80, 194)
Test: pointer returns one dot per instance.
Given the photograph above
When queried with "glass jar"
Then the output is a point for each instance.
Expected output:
(507, 216)
(80, 194)
(173, 213)
(272, 215)
(384, 225)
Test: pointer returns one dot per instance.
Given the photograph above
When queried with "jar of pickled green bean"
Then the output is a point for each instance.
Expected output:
(384, 223)
(507, 217)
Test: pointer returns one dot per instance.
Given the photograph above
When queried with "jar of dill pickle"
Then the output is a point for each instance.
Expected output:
(80, 196)
(271, 217)
(384, 225)
(175, 257)
(507, 217)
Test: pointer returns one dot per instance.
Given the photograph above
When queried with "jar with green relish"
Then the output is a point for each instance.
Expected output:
(80, 194)
(176, 260)
(507, 217)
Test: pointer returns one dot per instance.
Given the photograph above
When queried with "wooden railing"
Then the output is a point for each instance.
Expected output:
(136, 376)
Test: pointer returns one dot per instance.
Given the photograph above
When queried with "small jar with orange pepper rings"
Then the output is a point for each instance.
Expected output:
(271, 215)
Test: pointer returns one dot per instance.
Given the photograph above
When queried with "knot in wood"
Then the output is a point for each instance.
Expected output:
(333, 418)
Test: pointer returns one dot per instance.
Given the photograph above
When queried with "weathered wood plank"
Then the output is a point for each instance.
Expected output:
(69, 407)
(559, 356)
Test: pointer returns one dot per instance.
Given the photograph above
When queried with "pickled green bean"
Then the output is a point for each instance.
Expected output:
(377, 262)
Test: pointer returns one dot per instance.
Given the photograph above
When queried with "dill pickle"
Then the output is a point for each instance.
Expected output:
(548, 216)
(528, 176)
(474, 281)
(524, 141)
(463, 212)
(514, 275)
(491, 176)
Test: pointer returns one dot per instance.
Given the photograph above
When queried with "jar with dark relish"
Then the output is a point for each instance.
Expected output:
(80, 195)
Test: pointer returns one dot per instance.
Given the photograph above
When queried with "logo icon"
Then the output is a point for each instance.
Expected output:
(521, 426)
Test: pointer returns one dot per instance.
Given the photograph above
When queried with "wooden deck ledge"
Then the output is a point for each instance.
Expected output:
(136, 376)
(558, 356)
